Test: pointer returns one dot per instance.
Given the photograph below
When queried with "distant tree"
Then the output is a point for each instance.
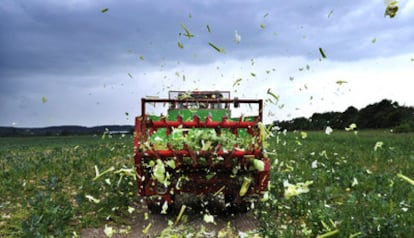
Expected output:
(322, 120)
(376, 115)
(384, 114)
(349, 116)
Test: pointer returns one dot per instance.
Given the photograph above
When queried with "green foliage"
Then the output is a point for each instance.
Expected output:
(406, 126)
(51, 211)
(44, 183)
(47, 185)
(356, 188)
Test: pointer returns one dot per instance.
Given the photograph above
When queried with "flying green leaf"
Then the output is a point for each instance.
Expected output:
(378, 145)
(44, 99)
(245, 186)
(322, 52)
(303, 134)
(351, 127)
(340, 82)
(220, 50)
(237, 82)
(164, 208)
(330, 13)
(253, 74)
(391, 9)
(276, 97)
(130, 75)
(258, 164)
(159, 171)
(208, 28)
(170, 163)
(141, 57)
(374, 40)
(263, 26)
(265, 15)
(180, 214)
(180, 45)
(187, 32)
(104, 10)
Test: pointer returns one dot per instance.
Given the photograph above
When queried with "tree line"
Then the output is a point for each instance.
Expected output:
(383, 114)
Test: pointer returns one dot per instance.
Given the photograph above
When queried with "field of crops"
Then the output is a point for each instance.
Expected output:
(339, 184)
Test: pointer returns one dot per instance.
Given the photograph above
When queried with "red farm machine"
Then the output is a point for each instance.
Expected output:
(198, 148)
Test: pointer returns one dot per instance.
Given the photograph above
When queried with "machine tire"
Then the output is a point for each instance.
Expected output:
(234, 207)
(155, 207)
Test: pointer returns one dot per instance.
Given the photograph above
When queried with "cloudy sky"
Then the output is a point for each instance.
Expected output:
(88, 62)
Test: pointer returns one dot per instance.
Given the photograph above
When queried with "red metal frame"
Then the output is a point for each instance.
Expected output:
(144, 127)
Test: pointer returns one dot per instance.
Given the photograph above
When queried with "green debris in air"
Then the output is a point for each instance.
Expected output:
(104, 10)
(245, 186)
(391, 9)
(220, 50)
(237, 82)
(180, 45)
(187, 32)
(44, 99)
(322, 53)
(276, 97)
(208, 28)
(340, 82)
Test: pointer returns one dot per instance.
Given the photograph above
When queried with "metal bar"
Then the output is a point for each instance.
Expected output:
(143, 101)
(210, 100)
(187, 153)
(200, 124)
(260, 110)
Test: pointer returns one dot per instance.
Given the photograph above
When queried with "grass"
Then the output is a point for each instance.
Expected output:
(44, 183)
(47, 185)
(355, 190)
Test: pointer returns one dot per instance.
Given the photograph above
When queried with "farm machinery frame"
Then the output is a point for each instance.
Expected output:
(198, 148)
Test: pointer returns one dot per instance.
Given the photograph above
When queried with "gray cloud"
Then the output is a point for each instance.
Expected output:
(72, 49)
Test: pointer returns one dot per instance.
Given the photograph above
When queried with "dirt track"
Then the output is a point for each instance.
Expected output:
(192, 220)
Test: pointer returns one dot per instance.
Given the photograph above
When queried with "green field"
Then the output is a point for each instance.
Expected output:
(55, 186)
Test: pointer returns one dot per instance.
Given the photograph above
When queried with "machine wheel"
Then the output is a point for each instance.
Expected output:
(155, 206)
(233, 206)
